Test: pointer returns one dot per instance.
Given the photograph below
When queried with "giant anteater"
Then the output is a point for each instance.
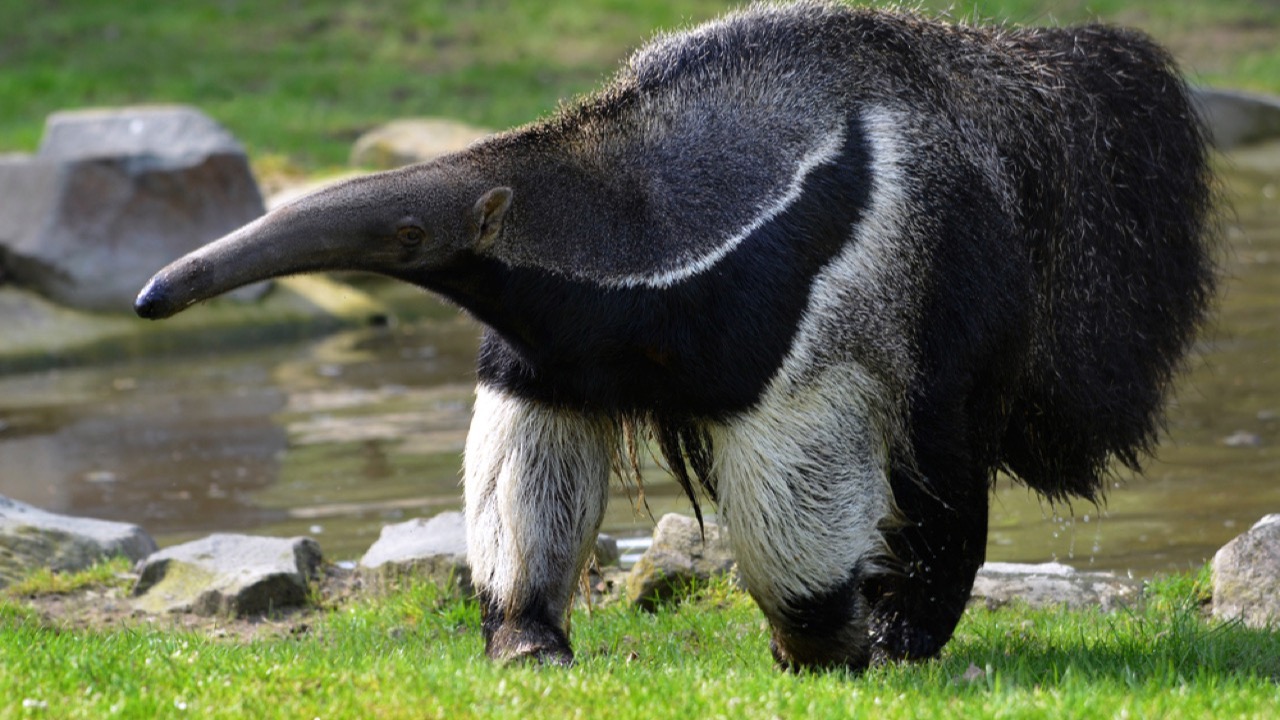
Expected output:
(841, 265)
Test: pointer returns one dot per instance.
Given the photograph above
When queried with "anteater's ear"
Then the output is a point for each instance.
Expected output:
(488, 214)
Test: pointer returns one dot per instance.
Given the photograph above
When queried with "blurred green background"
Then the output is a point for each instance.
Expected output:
(299, 81)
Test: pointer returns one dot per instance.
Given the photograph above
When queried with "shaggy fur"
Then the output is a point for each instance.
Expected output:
(841, 265)
(536, 485)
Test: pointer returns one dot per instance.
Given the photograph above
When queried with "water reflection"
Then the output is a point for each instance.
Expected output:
(331, 437)
(337, 437)
(143, 443)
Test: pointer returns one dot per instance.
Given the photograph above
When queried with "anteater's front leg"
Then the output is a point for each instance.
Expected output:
(536, 484)
(802, 485)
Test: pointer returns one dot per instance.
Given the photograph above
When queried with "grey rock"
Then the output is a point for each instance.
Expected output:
(157, 135)
(1236, 118)
(434, 549)
(115, 194)
(1246, 576)
(31, 538)
(1052, 584)
(413, 140)
(680, 556)
(607, 551)
(1242, 439)
(233, 575)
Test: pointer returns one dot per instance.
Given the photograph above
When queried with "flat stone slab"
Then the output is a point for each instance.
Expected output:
(234, 575)
(434, 548)
(680, 556)
(31, 538)
(1052, 584)
(1246, 576)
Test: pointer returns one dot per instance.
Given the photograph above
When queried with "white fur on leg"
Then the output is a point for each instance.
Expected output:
(803, 487)
(536, 483)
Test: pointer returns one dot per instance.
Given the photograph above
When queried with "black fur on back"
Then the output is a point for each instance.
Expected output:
(1056, 260)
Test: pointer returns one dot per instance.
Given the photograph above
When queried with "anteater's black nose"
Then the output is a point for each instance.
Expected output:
(151, 303)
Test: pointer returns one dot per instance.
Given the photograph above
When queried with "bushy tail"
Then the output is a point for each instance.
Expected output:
(1123, 243)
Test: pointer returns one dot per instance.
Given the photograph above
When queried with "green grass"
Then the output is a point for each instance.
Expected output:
(297, 82)
(417, 653)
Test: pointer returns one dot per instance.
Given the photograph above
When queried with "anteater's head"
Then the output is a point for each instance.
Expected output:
(402, 223)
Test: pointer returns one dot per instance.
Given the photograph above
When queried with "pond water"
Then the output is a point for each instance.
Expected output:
(337, 437)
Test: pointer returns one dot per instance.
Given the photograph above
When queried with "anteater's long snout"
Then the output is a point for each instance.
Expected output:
(334, 228)
(212, 270)
(282, 242)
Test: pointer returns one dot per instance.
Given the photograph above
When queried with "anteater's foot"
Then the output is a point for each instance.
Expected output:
(531, 643)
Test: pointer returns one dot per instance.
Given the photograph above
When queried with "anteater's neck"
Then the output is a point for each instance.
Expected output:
(706, 344)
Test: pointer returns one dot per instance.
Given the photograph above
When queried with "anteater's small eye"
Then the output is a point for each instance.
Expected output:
(411, 234)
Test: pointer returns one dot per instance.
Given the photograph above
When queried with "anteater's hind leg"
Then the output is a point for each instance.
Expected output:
(536, 486)
(938, 550)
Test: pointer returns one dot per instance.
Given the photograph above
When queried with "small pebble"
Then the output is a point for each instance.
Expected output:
(1242, 438)
(100, 476)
